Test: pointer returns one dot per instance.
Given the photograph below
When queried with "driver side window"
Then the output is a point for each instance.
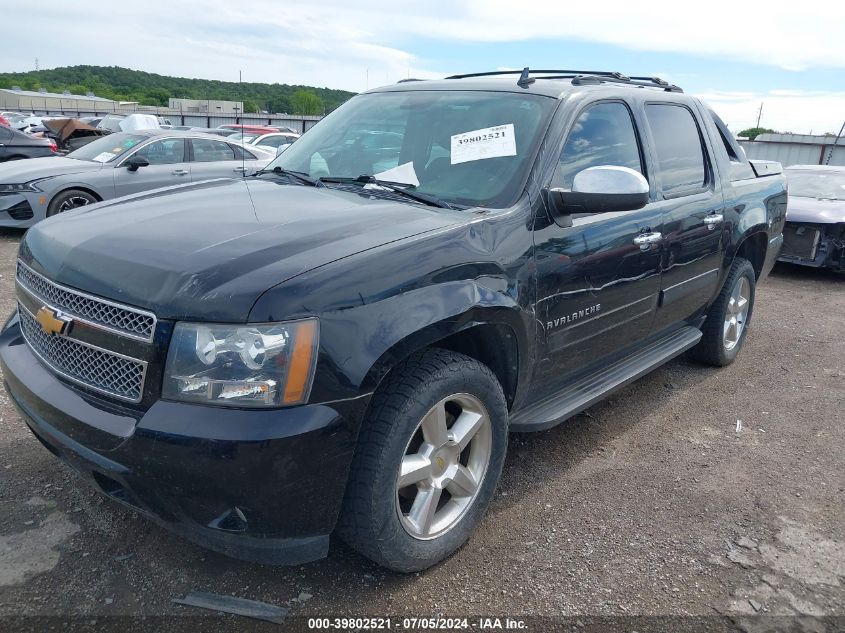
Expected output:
(603, 135)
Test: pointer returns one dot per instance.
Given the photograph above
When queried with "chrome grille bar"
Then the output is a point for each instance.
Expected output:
(93, 367)
(108, 315)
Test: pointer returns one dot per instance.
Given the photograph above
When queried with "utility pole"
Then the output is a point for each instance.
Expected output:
(759, 114)
(835, 143)
(37, 67)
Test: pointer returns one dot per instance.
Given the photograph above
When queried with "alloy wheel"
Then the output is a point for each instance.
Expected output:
(737, 313)
(443, 467)
(72, 203)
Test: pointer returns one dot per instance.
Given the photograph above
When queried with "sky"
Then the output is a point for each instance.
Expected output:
(788, 56)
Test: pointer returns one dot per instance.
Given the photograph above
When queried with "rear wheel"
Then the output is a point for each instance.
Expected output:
(727, 321)
(70, 199)
(428, 460)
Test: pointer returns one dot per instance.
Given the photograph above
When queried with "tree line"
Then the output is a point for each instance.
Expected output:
(125, 84)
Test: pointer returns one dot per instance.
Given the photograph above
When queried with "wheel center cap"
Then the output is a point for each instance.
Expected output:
(440, 461)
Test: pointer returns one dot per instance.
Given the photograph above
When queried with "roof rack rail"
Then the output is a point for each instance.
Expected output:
(578, 77)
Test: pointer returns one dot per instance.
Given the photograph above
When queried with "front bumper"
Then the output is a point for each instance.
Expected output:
(17, 210)
(265, 486)
(817, 245)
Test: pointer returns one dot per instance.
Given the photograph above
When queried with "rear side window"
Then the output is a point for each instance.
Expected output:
(208, 151)
(603, 135)
(242, 154)
(740, 169)
(677, 143)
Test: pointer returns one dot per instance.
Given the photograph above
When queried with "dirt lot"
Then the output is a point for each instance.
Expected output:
(650, 503)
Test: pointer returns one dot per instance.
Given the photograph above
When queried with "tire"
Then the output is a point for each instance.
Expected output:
(70, 199)
(720, 344)
(378, 516)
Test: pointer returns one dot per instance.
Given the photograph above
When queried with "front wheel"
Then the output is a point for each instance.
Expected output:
(70, 199)
(428, 460)
(726, 326)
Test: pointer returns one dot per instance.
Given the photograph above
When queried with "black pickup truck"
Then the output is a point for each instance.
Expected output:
(341, 343)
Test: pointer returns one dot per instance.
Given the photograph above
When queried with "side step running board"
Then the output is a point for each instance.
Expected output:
(590, 389)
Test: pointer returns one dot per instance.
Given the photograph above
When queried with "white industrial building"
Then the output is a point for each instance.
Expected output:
(18, 100)
(796, 149)
(206, 106)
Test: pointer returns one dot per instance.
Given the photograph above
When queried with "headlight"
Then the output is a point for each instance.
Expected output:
(19, 188)
(261, 365)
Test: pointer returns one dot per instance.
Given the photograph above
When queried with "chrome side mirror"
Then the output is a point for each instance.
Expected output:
(601, 189)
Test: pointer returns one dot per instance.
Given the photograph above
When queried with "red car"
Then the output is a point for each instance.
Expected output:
(4, 121)
(247, 129)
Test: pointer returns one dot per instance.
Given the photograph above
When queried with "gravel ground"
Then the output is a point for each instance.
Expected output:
(651, 503)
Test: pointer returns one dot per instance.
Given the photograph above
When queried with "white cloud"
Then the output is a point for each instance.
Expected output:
(792, 35)
(333, 43)
(363, 44)
(783, 110)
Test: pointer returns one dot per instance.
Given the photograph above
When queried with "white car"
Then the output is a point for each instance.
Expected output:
(275, 142)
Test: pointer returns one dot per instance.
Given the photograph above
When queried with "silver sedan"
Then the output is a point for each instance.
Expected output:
(117, 165)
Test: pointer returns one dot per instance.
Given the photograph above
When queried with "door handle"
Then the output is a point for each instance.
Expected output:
(240, 169)
(645, 240)
(713, 220)
(179, 172)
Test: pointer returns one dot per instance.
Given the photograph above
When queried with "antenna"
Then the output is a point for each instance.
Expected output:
(243, 151)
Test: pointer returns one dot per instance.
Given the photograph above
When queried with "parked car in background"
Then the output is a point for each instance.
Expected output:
(93, 121)
(15, 119)
(247, 129)
(814, 234)
(110, 122)
(4, 122)
(116, 165)
(28, 123)
(15, 145)
(274, 141)
(216, 131)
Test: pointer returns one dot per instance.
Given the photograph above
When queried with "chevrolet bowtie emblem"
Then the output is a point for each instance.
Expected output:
(52, 321)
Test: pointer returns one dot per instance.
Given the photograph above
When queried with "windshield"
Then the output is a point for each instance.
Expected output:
(107, 148)
(468, 148)
(829, 185)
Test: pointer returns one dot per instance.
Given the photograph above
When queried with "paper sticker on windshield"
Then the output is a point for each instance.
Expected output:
(490, 142)
(103, 158)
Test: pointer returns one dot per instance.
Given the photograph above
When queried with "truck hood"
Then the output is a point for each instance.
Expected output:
(813, 210)
(21, 171)
(208, 251)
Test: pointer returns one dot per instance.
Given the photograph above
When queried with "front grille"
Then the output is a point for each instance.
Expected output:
(111, 316)
(99, 369)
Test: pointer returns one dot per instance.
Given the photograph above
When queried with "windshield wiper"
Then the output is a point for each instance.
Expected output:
(402, 188)
(301, 176)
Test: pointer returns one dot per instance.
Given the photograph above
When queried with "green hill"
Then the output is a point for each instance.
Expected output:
(124, 84)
